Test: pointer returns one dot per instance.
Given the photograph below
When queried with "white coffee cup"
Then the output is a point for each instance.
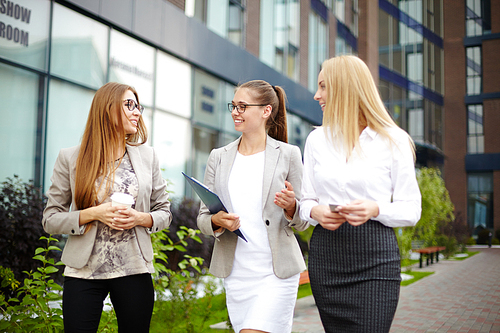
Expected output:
(122, 199)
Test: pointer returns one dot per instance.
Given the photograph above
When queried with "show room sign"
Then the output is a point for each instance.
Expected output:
(14, 22)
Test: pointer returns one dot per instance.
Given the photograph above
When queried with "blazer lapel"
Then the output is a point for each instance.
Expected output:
(137, 164)
(271, 161)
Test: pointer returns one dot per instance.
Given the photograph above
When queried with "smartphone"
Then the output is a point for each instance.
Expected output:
(333, 207)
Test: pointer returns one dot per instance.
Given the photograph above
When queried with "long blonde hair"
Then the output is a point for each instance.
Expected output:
(104, 135)
(353, 101)
(265, 93)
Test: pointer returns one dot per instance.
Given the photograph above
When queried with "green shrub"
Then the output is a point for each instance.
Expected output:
(495, 241)
(437, 210)
(483, 236)
(30, 311)
(471, 241)
(449, 242)
(21, 208)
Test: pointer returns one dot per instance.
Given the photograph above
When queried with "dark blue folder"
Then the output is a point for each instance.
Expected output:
(210, 199)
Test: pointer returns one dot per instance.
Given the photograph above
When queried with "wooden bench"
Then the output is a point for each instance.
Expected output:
(304, 278)
(429, 252)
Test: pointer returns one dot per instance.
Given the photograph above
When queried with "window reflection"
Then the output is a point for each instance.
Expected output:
(204, 141)
(173, 85)
(474, 70)
(280, 35)
(19, 93)
(132, 62)
(475, 130)
(172, 143)
(79, 47)
(480, 200)
(68, 111)
(318, 48)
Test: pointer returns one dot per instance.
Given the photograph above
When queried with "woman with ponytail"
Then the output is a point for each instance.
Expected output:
(258, 178)
(109, 249)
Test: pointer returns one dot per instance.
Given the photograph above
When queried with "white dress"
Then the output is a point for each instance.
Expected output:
(256, 298)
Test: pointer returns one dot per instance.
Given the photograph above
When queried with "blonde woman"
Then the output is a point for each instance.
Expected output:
(109, 249)
(362, 164)
(258, 178)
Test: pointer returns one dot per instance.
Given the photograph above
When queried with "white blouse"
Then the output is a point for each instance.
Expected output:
(381, 172)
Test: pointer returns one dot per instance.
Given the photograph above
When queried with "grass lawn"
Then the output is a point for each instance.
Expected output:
(416, 276)
(461, 256)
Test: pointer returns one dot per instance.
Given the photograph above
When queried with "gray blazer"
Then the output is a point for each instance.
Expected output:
(58, 219)
(282, 162)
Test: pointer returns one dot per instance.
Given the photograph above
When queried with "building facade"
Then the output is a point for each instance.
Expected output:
(472, 115)
(185, 57)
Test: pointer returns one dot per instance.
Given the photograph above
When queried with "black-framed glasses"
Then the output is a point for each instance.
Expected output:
(132, 105)
(241, 107)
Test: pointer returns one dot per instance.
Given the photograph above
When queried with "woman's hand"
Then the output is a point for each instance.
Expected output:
(225, 220)
(326, 218)
(128, 218)
(286, 199)
(358, 211)
(115, 217)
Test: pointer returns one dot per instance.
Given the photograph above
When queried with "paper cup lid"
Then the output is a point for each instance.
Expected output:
(123, 198)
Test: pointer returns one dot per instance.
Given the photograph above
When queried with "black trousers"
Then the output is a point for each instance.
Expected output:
(132, 298)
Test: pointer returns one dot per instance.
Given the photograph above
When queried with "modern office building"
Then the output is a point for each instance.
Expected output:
(185, 57)
(472, 109)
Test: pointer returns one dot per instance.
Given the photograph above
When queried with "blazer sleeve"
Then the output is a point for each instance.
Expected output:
(295, 178)
(57, 217)
(159, 201)
(204, 219)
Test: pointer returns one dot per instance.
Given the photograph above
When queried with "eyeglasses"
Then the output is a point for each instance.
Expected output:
(242, 107)
(132, 105)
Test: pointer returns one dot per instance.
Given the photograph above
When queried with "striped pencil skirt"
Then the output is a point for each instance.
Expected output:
(355, 276)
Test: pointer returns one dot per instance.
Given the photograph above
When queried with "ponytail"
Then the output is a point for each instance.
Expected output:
(277, 126)
(275, 96)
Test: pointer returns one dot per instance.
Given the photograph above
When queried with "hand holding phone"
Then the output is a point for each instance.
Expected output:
(333, 207)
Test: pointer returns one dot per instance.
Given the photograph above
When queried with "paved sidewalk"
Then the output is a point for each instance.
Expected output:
(461, 296)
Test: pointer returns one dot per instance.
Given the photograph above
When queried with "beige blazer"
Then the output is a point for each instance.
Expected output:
(59, 219)
(282, 162)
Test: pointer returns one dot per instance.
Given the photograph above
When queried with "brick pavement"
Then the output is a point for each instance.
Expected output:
(461, 296)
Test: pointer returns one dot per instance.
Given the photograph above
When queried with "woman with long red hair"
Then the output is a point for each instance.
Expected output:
(109, 248)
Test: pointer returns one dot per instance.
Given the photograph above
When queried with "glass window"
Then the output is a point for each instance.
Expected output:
(416, 124)
(298, 130)
(19, 93)
(132, 62)
(79, 49)
(172, 143)
(384, 36)
(204, 141)
(173, 85)
(475, 130)
(227, 95)
(236, 24)
(196, 9)
(280, 36)
(354, 18)
(68, 111)
(480, 200)
(217, 16)
(340, 10)
(24, 32)
(207, 106)
(474, 70)
(318, 48)
(478, 17)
